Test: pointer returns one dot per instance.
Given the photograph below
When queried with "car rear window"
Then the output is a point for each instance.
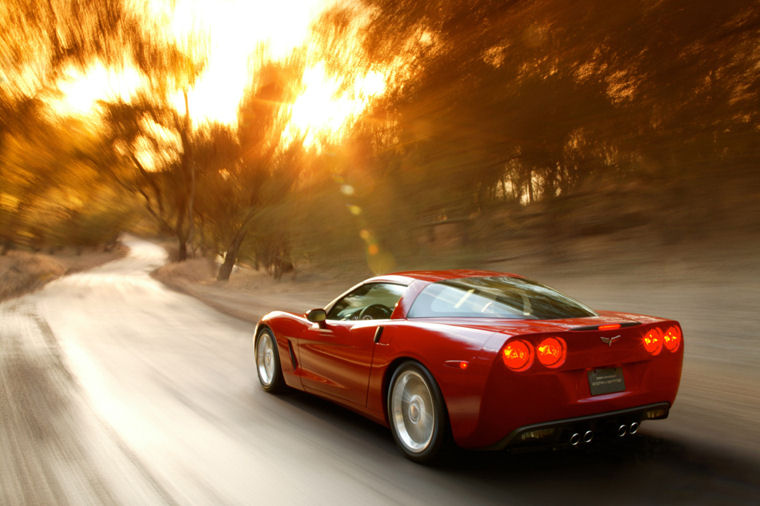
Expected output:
(495, 297)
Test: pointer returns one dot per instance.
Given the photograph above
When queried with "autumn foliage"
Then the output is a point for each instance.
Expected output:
(392, 131)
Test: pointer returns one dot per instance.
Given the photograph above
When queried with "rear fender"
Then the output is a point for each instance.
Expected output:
(441, 350)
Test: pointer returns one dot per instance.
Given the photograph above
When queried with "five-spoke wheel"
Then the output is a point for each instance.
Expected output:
(416, 412)
(268, 361)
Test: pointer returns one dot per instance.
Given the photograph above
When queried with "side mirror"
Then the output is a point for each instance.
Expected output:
(316, 315)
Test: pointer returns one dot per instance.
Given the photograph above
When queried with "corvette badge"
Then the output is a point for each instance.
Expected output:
(609, 340)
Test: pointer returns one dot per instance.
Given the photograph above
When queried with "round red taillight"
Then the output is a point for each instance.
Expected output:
(653, 341)
(552, 352)
(672, 339)
(518, 355)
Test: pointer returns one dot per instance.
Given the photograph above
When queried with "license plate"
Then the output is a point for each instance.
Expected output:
(606, 381)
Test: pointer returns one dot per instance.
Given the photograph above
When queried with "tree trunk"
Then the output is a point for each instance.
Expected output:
(190, 167)
(226, 268)
(186, 202)
(182, 249)
(179, 230)
(230, 257)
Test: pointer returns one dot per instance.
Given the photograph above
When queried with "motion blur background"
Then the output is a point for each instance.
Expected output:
(391, 134)
(283, 150)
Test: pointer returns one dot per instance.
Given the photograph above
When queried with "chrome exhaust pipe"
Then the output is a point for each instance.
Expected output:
(588, 437)
(634, 428)
(575, 439)
(622, 430)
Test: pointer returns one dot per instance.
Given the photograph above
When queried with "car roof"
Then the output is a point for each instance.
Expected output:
(435, 276)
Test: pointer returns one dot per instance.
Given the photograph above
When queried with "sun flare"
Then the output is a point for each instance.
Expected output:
(81, 89)
(234, 38)
(325, 109)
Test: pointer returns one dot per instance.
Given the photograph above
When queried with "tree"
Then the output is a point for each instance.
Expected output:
(49, 188)
(252, 171)
(155, 142)
(550, 97)
(40, 41)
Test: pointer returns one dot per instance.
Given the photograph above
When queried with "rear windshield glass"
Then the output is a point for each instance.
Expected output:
(495, 297)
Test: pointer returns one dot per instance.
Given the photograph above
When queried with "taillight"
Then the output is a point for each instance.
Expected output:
(518, 355)
(552, 352)
(653, 341)
(672, 339)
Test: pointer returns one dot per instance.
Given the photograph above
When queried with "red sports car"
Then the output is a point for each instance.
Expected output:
(488, 359)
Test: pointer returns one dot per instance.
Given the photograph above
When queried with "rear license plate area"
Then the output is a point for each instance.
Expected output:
(606, 380)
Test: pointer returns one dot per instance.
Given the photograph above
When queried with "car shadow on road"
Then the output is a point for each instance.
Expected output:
(639, 469)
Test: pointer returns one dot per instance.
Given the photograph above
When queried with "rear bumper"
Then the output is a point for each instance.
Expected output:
(559, 432)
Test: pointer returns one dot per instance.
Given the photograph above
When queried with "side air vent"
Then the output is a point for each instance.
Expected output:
(292, 355)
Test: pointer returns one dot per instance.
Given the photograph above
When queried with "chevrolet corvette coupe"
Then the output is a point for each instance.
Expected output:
(486, 359)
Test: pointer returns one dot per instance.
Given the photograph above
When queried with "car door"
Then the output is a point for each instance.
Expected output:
(336, 354)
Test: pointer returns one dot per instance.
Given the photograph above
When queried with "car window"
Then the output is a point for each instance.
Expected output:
(495, 297)
(373, 301)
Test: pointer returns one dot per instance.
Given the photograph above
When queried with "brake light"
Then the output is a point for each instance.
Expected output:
(552, 352)
(672, 339)
(653, 341)
(518, 355)
(611, 326)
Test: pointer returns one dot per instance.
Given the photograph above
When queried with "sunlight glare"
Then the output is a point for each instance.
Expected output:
(238, 34)
(81, 90)
(322, 111)
(234, 38)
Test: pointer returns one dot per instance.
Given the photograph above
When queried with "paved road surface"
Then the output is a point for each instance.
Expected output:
(115, 390)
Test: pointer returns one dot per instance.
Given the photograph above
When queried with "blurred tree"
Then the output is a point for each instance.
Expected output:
(548, 96)
(28, 163)
(217, 155)
(155, 139)
(47, 185)
(245, 175)
(495, 105)
(155, 143)
(41, 41)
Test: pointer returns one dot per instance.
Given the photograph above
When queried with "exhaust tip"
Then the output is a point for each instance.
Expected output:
(622, 430)
(575, 439)
(634, 428)
(588, 436)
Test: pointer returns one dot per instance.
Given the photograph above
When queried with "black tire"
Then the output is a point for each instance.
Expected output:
(268, 362)
(413, 396)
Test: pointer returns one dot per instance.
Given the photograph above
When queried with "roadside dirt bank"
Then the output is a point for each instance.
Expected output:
(23, 272)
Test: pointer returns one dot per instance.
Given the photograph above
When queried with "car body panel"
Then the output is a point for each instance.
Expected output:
(336, 359)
